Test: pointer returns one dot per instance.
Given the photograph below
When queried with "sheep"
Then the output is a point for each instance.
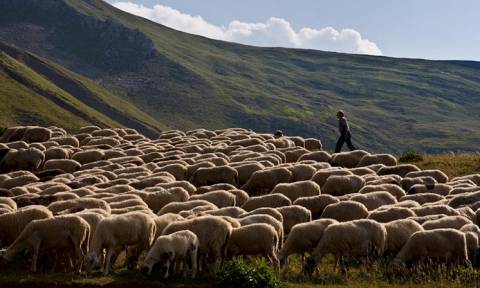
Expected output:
(29, 159)
(213, 234)
(183, 184)
(255, 239)
(435, 210)
(220, 198)
(263, 181)
(348, 159)
(440, 189)
(393, 189)
(81, 203)
(233, 212)
(345, 211)
(266, 219)
(214, 175)
(445, 245)
(178, 247)
(400, 170)
(322, 175)
(370, 159)
(293, 215)
(385, 215)
(298, 189)
(438, 175)
(88, 156)
(341, 185)
(264, 211)
(316, 204)
(422, 198)
(215, 187)
(374, 200)
(363, 171)
(245, 171)
(127, 203)
(66, 165)
(53, 233)
(269, 200)
(114, 233)
(358, 238)
(179, 171)
(313, 144)
(407, 183)
(475, 178)
(66, 140)
(92, 218)
(176, 207)
(157, 200)
(240, 196)
(303, 238)
(57, 153)
(398, 233)
(454, 222)
(12, 224)
(318, 156)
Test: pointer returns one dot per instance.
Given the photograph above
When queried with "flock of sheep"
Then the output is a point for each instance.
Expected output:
(188, 201)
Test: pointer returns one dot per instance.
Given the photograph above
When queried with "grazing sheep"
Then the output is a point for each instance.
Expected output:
(298, 189)
(255, 239)
(453, 222)
(213, 234)
(88, 156)
(245, 171)
(12, 224)
(269, 200)
(322, 175)
(316, 204)
(341, 185)
(438, 175)
(264, 181)
(240, 196)
(303, 238)
(302, 172)
(265, 211)
(64, 232)
(220, 198)
(385, 215)
(178, 247)
(374, 200)
(358, 238)
(318, 156)
(398, 233)
(293, 215)
(176, 207)
(29, 159)
(157, 200)
(348, 159)
(66, 165)
(371, 159)
(266, 219)
(115, 233)
(445, 245)
(345, 211)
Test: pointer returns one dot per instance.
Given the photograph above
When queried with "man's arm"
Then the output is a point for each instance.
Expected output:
(342, 126)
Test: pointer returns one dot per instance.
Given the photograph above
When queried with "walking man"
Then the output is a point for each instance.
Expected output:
(345, 135)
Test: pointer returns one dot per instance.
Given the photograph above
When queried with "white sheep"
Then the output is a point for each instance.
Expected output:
(398, 233)
(293, 215)
(342, 185)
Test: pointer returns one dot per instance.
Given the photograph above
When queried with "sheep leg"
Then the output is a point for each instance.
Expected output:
(108, 259)
(193, 263)
(36, 251)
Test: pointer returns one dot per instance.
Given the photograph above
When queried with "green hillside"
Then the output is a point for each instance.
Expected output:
(171, 79)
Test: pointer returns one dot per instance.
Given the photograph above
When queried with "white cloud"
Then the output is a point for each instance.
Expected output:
(275, 32)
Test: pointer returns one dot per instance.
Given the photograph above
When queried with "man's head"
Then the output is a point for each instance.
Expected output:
(278, 134)
(340, 114)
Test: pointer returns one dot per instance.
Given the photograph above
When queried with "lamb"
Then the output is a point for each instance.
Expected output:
(303, 238)
(255, 239)
(176, 207)
(178, 247)
(220, 198)
(398, 233)
(345, 211)
(370, 159)
(269, 200)
(298, 189)
(293, 215)
(438, 175)
(316, 204)
(66, 165)
(358, 238)
(114, 233)
(385, 215)
(12, 224)
(266, 219)
(214, 175)
(375, 200)
(53, 233)
(453, 222)
(445, 245)
(341, 185)
(213, 234)
(263, 181)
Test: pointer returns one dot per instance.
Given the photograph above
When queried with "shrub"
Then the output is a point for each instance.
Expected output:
(252, 274)
(410, 156)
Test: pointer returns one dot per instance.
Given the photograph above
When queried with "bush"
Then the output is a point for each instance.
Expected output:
(410, 156)
(252, 274)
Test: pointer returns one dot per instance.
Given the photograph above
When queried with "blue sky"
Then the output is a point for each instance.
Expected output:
(432, 29)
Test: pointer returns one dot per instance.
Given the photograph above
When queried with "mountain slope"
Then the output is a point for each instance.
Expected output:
(186, 81)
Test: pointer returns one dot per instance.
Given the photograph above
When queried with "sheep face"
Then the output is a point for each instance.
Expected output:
(162, 261)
